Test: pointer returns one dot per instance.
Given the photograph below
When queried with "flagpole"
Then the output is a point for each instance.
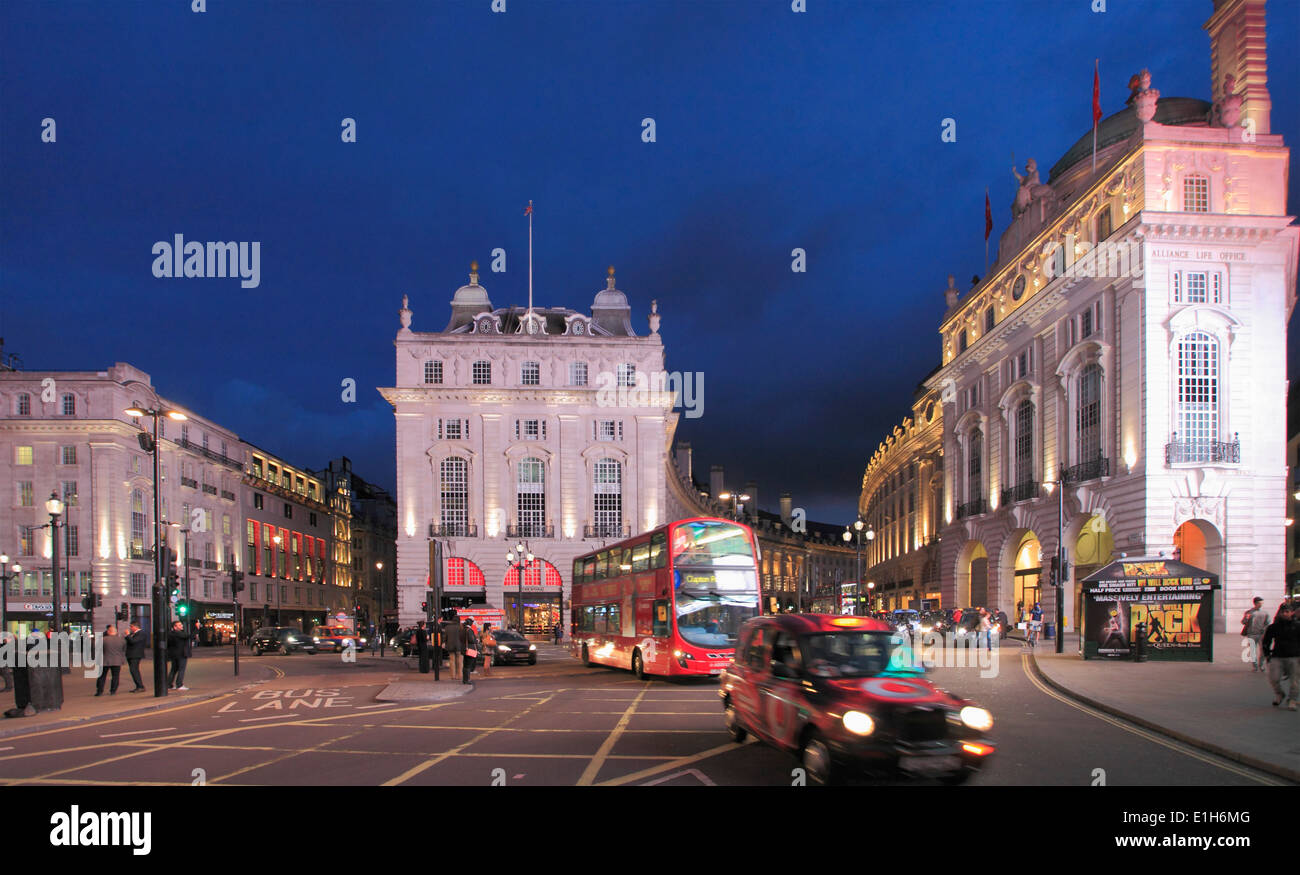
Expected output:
(530, 258)
(986, 234)
(1096, 73)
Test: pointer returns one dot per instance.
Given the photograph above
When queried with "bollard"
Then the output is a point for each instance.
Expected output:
(1140, 642)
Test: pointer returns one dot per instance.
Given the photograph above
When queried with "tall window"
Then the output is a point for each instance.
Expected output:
(1087, 423)
(250, 565)
(26, 494)
(988, 320)
(73, 543)
(1196, 194)
(482, 373)
(1024, 442)
(627, 375)
(68, 455)
(530, 374)
(69, 489)
(577, 373)
(137, 524)
(963, 341)
(433, 372)
(531, 498)
(1103, 224)
(139, 585)
(24, 404)
(1198, 394)
(455, 494)
(68, 403)
(607, 492)
(975, 466)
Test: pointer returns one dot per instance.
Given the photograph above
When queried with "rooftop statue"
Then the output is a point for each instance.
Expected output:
(1031, 188)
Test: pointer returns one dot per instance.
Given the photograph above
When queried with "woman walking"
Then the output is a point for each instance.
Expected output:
(489, 649)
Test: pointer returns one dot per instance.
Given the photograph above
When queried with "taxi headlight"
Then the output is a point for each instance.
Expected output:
(977, 718)
(532, 646)
(859, 723)
(315, 639)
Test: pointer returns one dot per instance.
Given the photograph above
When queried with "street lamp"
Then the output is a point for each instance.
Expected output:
(278, 588)
(735, 499)
(379, 627)
(149, 443)
(871, 593)
(55, 509)
(5, 577)
(1058, 577)
(525, 557)
(848, 536)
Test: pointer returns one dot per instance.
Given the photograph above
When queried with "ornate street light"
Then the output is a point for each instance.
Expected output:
(524, 557)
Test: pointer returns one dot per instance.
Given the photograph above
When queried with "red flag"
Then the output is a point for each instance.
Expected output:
(528, 210)
(988, 216)
(1096, 96)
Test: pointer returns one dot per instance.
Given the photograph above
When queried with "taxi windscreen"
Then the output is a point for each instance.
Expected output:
(855, 654)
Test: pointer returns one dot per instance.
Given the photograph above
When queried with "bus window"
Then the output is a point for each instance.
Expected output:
(589, 568)
(589, 619)
(659, 550)
(599, 625)
(625, 562)
(640, 557)
(660, 629)
(602, 558)
(577, 572)
(613, 621)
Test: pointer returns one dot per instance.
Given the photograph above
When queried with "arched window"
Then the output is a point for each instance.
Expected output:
(530, 491)
(1087, 417)
(975, 466)
(1197, 418)
(530, 374)
(607, 495)
(455, 496)
(1024, 448)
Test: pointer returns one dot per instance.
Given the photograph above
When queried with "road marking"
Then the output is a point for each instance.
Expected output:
(1142, 733)
(380, 705)
(272, 717)
(694, 773)
(137, 732)
(675, 764)
(593, 768)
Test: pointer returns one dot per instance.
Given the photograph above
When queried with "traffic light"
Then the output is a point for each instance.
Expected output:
(124, 612)
(424, 606)
(237, 582)
(87, 602)
(183, 608)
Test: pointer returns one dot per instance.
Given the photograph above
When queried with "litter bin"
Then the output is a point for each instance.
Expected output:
(1048, 631)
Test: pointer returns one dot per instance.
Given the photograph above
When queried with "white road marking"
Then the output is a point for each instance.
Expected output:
(136, 732)
(695, 773)
(272, 717)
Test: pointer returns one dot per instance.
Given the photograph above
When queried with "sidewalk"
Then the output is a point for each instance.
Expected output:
(1223, 706)
(206, 678)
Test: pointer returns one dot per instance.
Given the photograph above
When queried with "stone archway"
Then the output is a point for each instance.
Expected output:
(1023, 567)
(1198, 542)
(971, 575)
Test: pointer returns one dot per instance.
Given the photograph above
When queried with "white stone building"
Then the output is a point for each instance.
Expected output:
(544, 427)
(1130, 341)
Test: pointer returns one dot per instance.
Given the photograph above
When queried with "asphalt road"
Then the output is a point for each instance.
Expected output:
(556, 723)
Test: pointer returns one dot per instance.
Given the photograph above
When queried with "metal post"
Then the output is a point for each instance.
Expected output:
(159, 598)
(858, 607)
(520, 605)
(1060, 565)
(383, 627)
(54, 539)
(189, 608)
(67, 566)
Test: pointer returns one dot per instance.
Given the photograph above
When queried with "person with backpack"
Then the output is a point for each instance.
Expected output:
(1253, 624)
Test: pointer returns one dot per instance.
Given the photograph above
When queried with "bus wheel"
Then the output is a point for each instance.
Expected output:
(638, 665)
(734, 728)
(586, 660)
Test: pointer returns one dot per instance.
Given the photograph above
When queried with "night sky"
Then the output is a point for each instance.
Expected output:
(774, 130)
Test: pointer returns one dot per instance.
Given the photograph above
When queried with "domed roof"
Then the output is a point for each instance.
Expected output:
(1121, 125)
(472, 294)
(610, 297)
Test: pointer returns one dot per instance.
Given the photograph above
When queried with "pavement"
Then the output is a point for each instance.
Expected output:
(1223, 707)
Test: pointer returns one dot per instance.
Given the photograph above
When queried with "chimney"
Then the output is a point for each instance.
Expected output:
(1238, 48)
(751, 506)
(715, 481)
(787, 508)
(684, 459)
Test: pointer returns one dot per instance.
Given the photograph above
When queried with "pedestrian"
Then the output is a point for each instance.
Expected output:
(471, 649)
(985, 631)
(114, 657)
(956, 617)
(179, 650)
(1035, 623)
(135, 653)
(1282, 647)
(453, 641)
(489, 648)
(1253, 624)
(557, 634)
(422, 646)
(1003, 622)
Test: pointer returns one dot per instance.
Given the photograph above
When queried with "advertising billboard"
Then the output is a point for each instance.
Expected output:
(1173, 600)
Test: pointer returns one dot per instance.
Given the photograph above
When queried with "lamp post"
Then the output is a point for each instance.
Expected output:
(848, 536)
(5, 577)
(735, 499)
(189, 628)
(55, 509)
(525, 556)
(871, 593)
(150, 445)
(276, 583)
(379, 627)
(1058, 577)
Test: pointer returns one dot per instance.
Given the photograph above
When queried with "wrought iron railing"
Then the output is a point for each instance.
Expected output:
(210, 490)
(530, 530)
(453, 530)
(607, 530)
(228, 496)
(190, 482)
(1202, 451)
(1020, 492)
(972, 508)
(210, 454)
(210, 564)
(1098, 467)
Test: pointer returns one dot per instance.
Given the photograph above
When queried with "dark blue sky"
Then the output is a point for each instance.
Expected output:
(775, 130)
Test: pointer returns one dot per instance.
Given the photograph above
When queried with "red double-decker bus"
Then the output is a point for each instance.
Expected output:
(669, 601)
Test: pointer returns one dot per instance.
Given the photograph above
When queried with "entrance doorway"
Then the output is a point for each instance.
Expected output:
(540, 613)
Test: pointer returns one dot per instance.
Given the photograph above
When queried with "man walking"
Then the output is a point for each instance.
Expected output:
(453, 641)
(1282, 647)
(178, 654)
(557, 633)
(114, 656)
(134, 653)
(1253, 624)
(471, 649)
(422, 646)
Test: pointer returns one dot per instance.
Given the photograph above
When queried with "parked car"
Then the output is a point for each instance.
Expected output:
(284, 639)
(825, 689)
(513, 647)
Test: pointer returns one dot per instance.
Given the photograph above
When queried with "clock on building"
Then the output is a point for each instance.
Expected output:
(1018, 290)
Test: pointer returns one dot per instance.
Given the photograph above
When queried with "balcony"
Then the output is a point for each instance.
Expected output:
(1020, 492)
(453, 530)
(1098, 467)
(140, 553)
(190, 482)
(530, 530)
(607, 530)
(210, 564)
(194, 562)
(1203, 452)
(210, 454)
(972, 508)
(228, 496)
(209, 490)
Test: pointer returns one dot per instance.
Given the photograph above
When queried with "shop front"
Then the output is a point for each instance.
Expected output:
(214, 625)
(534, 598)
(22, 617)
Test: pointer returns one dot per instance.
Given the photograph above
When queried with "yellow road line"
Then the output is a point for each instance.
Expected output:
(593, 768)
(274, 760)
(675, 763)
(1142, 733)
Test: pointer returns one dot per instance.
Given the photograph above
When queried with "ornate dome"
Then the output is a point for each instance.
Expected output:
(472, 294)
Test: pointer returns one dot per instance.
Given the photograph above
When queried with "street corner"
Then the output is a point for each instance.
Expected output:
(407, 692)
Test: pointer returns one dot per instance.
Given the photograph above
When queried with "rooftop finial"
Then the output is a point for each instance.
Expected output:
(473, 273)
(609, 283)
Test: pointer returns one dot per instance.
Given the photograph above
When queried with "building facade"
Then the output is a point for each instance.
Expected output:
(372, 541)
(538, 427)
(1111, 386)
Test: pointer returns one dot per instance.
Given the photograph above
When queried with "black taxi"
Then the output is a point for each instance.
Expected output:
(844, 695)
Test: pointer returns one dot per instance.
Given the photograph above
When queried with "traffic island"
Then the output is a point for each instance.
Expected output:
(407, 692)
